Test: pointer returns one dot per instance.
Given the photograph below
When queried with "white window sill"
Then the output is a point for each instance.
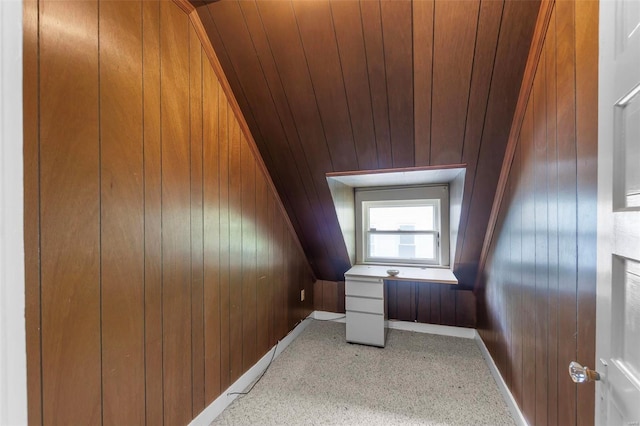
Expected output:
(407, 273)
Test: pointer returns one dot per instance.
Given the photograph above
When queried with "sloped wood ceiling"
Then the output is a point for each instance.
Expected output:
(347, 85)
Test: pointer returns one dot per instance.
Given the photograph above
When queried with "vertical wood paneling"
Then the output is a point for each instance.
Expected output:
(176, 226)
(248, 232)
(434, 309)
(335, 85)
(482, 80)
(351, 47)
(198, 234)
(512, 295)
(235, 252)
(281, 300)
(224, 134)
(465, 309)
(330, 293)
(423, 21)
(504, 86)
(292, 295)
(447, 305)
(317, 34)
(278, 21)
(374, 50)
(154, 392)
(398, 56)
(263, 285)
(211, 131)
(149, 262)
(70, 214)
(273, 271)
(391, 297)
(528, 404)
(297, 185)
(280, 25)
(517, 194)
(404, 298)
(31, 151)
(207, 23)
(489, 22)
(341, 297)
(258, 93)
(551, 190)
(122, 214)
(452, 63)
(552, 161)
(423, 296)
(540, 208)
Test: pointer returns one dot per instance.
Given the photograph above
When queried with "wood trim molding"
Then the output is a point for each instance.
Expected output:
(191, 11)
(396, 170)
(537, 43)
(185, 5)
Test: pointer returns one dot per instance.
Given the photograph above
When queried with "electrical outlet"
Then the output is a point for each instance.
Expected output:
(302, 295)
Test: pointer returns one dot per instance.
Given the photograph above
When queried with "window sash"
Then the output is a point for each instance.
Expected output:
(369, 258)
(414, 254)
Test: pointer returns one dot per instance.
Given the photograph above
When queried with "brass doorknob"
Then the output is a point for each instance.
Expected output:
(580, 374)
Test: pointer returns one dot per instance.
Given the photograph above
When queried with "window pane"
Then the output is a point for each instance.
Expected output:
(405, 218)
(409, 247)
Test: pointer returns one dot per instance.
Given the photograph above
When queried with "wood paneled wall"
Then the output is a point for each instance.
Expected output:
(409, 301)
(330, 86)
(159, 262)
(537, 298)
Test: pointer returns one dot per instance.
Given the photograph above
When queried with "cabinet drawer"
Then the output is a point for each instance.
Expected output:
(367, 329)
(364, 288)
(374, 306)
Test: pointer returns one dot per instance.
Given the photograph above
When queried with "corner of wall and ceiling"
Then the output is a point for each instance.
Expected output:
(191, 11)
(537, 43)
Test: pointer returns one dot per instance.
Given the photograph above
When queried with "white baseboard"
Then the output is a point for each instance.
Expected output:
(214, 409)
(443, 330)
(328, 316)
(517, 415)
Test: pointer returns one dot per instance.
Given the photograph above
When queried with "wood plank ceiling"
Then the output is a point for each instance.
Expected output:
(348, 85)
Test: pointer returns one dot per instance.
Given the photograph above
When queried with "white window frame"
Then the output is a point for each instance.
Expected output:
(398, 196)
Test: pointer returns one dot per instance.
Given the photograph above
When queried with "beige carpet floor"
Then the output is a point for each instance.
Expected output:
(417, 379)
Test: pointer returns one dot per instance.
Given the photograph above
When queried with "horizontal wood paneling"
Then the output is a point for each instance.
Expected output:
(362, 85)
(153, 219)
(538, 286)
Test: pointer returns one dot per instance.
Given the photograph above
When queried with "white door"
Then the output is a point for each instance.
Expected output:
(618, 308)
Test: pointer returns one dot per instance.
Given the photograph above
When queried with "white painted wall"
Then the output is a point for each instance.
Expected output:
(13, 358)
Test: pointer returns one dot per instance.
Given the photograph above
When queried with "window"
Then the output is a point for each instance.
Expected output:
(403, 225)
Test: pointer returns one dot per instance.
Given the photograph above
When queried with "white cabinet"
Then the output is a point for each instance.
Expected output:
(365, 310)
(365, 298)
